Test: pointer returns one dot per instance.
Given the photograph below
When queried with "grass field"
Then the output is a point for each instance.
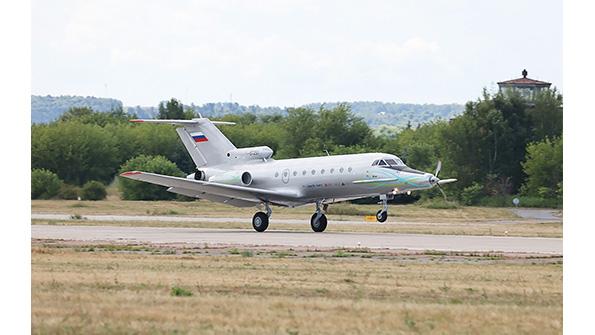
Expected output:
(403, 219)
(82, 289)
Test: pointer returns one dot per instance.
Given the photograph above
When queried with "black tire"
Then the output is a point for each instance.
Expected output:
(381, 216)
(318, 225)
(260, 222)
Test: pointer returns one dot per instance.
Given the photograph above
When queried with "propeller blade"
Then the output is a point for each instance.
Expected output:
(438, 168)
(446, 181)
(441, 191)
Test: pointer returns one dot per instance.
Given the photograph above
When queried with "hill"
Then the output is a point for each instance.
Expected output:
(377, 114)
(48, 108)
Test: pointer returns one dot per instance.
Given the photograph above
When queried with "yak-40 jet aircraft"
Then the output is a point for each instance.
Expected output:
(249, 177)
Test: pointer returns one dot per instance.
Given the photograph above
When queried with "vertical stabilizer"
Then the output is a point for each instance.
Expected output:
(205, 143)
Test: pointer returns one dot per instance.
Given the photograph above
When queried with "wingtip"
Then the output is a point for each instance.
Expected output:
(129, 173)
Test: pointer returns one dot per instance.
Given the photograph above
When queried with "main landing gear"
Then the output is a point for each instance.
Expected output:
(260, 220)
(318, 219)
(382, 214)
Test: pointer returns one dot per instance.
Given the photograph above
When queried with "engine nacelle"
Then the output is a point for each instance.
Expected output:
(252, 153)
(242, 178)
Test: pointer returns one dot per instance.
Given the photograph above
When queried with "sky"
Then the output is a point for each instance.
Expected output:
(290, 53)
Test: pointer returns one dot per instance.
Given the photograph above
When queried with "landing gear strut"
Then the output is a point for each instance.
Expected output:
(382, 214)
(318, 220)
(260, 220)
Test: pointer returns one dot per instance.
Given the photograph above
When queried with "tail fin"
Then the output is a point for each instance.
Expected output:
(203, 140)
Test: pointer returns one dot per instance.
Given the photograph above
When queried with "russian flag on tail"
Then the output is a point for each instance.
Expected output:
(198, 136)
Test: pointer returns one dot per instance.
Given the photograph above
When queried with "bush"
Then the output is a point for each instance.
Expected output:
(137, 190)
(68, 192)
(93, 190)
(471, 194)
(44, 184)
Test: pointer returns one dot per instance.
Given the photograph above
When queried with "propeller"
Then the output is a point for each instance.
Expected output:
(441, 191)
(437, 181)
(438, 168)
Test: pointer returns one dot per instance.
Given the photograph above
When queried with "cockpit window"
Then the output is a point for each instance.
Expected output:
(375, 163)
(382, 162)
(395, 162)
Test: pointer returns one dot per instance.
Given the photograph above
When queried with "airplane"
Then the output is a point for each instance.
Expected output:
(249, 177)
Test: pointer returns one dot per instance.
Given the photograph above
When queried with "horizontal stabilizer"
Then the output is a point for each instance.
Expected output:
(180, 122)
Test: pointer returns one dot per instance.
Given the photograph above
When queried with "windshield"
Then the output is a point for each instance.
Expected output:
(389, 162)
(395, 164)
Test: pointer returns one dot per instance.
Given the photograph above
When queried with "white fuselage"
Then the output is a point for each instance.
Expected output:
(328, 179)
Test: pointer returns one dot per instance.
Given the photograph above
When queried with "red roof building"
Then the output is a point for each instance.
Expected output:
(526, 86)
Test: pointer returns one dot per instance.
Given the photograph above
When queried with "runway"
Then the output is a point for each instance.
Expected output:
(248, 237)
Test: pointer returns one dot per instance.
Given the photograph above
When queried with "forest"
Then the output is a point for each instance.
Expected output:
(500, 146)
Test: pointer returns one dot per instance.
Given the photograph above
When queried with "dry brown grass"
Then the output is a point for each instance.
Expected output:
(206, 208)
(127, 290)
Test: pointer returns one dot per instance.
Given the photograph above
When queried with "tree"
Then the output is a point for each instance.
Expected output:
(488, 140)
(44, 184)
(88, 116)
(301, 124)
(174, 109)
(76, 152)
(341, 127)
(546, 115)
(137, 190)
(543, 167)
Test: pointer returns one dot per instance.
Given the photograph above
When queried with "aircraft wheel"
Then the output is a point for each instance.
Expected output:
(318, 225)
(381, 216)
(260, 221)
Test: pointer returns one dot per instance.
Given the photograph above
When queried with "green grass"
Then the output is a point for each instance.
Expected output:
(177, 291)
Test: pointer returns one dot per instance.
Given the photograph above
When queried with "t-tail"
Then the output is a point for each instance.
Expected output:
(205, 143)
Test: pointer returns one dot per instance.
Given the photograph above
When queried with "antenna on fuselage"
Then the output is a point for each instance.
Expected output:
(327, 152)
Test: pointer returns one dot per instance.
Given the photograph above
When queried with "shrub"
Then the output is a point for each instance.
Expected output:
(137, 190)
(68, 192)
(44, 184)
(93, 190)
(471, 194)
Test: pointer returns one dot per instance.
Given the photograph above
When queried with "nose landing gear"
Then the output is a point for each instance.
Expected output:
(318, 220)
(382, 214)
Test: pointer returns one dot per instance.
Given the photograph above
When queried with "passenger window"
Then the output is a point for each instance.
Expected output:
(322, 171)
(349, 170)
(304, 173)
(276, 174)
(313, 172)
(285, 174)
(332, 170)
(294, 173)
(341, 170)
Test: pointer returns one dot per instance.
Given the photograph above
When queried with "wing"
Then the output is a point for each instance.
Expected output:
(234, 194)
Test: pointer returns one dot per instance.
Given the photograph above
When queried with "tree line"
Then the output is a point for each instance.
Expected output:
(501, 145)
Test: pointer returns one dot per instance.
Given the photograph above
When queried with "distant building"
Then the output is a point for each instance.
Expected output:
(527, 87)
